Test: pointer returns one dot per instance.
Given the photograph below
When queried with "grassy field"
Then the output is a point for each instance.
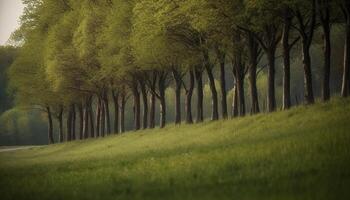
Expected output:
(303, 153)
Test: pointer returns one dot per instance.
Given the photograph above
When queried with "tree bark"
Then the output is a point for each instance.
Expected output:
(271, 98)
(145, 104)
(346, 66)
(253, 62)
(239, 77)
(188, 103)
(306, 30)
(103, 119)
(107, 113)
(50, 126)
(91, 118)
(239, 73)
(122, 113)
(86, 119)
(327, 64)
(73, 122)
(152, 113)
(136, 107)
(240, 91)
(324, 13)
(98, 117)
(162, 110)
(81, 121)
(199, 88)
(286, 59)
(309, 95)
(116, 111)
(178, 82)
(60, 125)
(69, 123)
(222, 58)
(214, 94)
(234, 102)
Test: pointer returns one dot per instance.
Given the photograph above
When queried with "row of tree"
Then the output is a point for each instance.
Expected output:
(81, 58)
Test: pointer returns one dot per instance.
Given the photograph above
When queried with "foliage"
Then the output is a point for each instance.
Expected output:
(7, 56)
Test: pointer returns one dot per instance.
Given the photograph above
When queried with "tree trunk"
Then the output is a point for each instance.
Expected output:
(145, 105)
(60, 125)
(50, 126)
(269, 45)
(240, 90)
(81, 121)
(122, 113)
(69, 124)
(136, 108)
(178, 82)
(73, 122)
(199, 80)
(188, 103)
(98, 117)
(152, 113)
(325, 21)
(346, 66)
(116, 111)
(103, 119)
(238, 72)
(162, 110)
(91, 117)
(108, 119)
(86, 120)
(253, 62)
(286, 60)
(327, 64)
(309, 95)
(306, 30)
(223, 85)
(271, 99)
(234, 102)
(214, 94)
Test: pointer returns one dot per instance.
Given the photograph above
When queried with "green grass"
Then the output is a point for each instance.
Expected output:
(303, 153)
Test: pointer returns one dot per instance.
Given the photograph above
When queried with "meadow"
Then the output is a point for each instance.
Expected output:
(303, 153)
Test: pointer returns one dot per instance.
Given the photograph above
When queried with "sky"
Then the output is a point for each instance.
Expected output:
(10, 11)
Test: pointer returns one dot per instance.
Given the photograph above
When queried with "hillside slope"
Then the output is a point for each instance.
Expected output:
(303, 153)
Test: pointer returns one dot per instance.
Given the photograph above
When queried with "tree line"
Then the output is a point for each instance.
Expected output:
(80, 61)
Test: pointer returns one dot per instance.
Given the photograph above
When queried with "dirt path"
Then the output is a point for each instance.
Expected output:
(15, 148)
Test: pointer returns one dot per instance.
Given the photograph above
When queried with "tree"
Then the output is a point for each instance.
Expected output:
(28, 73)
(305, 13)
(264, 17)
(7, 57)
(239, 73)
(324, 9)
(254, 51)
(188, 101)
(241, 46)
(161, 47)
(27, 79)
(203, 19)
(63, 70)
(345, 6)
(287, 25)
(80, 61)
